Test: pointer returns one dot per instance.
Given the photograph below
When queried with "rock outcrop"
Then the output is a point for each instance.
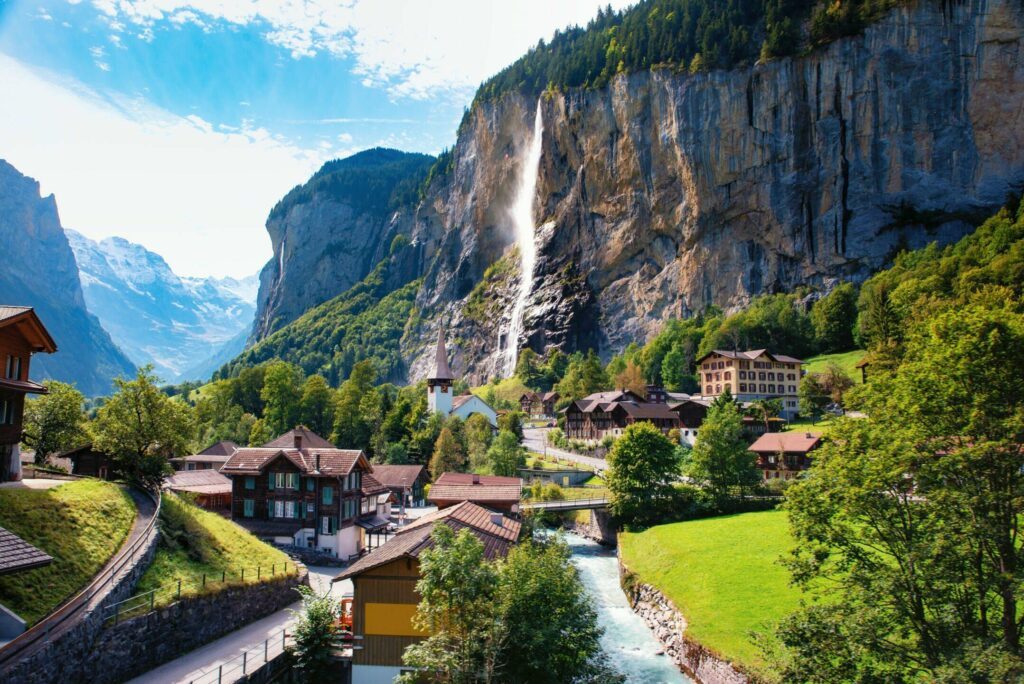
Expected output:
(40, 271)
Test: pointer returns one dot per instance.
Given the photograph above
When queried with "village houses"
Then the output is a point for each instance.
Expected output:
(751, 375)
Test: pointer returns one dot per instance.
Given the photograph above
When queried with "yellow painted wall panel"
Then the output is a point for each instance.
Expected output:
(391, 619)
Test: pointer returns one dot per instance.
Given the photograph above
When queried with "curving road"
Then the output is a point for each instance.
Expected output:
(535, 439)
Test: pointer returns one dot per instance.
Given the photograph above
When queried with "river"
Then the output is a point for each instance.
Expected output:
(630, 645)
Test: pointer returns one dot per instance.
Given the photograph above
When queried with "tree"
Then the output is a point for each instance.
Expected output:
(833, 317)
(351, 430)
(140, 427)
(632, 378)
(720, 460)
(835, 382)
(396, 454)
(813, 396)
(912, 515)
(316, 407)
(506, 456)
(642, 466)
(479, 435)
(314, 632)
(55, 421)
(512, 421)
(423, 439)
(675, 371)
(562, 647)
(449, 455)
(457, 610)
(281, 394)
(765, 409)
(529, 369)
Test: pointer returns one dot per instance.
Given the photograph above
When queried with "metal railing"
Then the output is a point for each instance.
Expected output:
(249, 661)
(41, 632)
(148, 601)
(565, 504)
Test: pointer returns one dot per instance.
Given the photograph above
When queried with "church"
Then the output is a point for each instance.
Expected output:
(439, 390)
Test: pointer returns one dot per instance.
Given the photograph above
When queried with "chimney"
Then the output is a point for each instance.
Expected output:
(317, 455)
(297, 437)
(810, 436)
(476, 479)
(498, 519)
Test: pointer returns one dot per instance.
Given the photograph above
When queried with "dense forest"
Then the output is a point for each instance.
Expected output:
(378, 180)
(684, 35)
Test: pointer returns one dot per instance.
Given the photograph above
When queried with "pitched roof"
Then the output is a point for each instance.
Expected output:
(200, 458)
(749, 355)
(647, 410)
(414, 539)
(470, 487)
(441, 370)
(332, 462)
(30, 325)
(460, 400)
(16, 554)
(794, 441)
(398, 475)
(371, 485)
(310, 440)
(549, 395)
(199, 482)
(222, 448)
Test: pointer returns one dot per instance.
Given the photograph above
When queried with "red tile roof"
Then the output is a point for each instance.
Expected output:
(398, 475)
(223, 448)
(415, 538)
(371, 485)
(794, 442)
(16, 554)
(332, 462)
(310, 440)
(470, 487)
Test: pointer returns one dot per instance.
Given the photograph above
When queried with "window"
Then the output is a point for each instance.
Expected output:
(249, 507)
(310, 484)
(743, 375)
(771, 376)
(293, 481)
(13, 369)
(328, 524)
(289, 510)
(286, 481)
(728, 375)
(771, 389)
(270, 509)
(707, 390)
(250, 482)
(763, 390)
(792, 389)
(718, 389)
(792, 377)
(761, 376)
(743, 387)
(279, 509)
(364, 506)
(328, 495)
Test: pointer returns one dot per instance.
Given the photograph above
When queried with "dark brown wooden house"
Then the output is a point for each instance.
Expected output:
(88, 462)
(406, 482)
(784, 454)
(305, 495)
(493, 491)
(609, 413)
(22, 334)
(539, 404)
(384, 585)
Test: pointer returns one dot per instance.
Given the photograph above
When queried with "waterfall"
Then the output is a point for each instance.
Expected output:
(522, 221)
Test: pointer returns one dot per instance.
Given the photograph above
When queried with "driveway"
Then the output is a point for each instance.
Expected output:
(206, 659)
(535, 439)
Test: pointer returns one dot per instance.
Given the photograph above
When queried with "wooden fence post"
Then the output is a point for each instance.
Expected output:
(179, 591)
(204, 580)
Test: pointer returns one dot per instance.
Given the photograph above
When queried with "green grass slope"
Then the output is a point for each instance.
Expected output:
(80, 524)
(196, 542)
(722, 573)
(847, 361)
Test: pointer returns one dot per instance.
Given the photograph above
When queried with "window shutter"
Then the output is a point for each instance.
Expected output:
(270, 481)
(270, 509)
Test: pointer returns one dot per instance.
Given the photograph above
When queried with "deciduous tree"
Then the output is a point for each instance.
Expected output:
(55, 421)
(642, 465)
(720, 460)
(506, 456)
(449, 455)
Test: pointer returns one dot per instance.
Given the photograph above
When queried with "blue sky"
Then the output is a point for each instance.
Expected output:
(179, 123)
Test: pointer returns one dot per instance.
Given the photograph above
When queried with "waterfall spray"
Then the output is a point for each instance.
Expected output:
(522, 220)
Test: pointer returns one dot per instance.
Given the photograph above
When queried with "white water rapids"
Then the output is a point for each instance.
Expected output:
(525, 229)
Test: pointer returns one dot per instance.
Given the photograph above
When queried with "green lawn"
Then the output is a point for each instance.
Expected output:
(823, 425)
(81, 524)
(195, 542)
(722, 573)
(847, 361)
(507, 390)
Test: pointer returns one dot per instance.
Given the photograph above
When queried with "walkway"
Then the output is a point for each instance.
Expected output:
(75, 609)
(535, 439)
(206, 659)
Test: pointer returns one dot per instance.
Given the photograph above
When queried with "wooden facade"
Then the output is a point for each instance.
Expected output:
(610, 413)
(387, 594)
(89, 462)
(21, 335)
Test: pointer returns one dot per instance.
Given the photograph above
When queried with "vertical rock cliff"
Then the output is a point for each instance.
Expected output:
(39, 270)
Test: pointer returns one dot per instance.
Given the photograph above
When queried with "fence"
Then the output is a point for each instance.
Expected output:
(147, 602)
(249, 661)
(42, 631)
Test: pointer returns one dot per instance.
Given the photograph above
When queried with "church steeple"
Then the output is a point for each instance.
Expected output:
(439, 384)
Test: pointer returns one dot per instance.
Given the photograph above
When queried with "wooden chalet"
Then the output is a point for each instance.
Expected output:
(610, 413)
(384, 585)
(493, 491)
(406, 482)
(208, 488)
(89, 462)
(293, 490)
(784, 454)
(539, 404)
(212, 457)
(22, 334)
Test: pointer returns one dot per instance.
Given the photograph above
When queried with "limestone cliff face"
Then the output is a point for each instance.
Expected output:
(40, 271)
(665, 193)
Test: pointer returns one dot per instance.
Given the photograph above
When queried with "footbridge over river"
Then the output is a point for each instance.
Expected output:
(595, 503)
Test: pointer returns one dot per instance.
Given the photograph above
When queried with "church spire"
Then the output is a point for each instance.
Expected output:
(441, 369)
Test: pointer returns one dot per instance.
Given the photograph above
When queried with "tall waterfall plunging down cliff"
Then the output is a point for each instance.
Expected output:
(526, 240)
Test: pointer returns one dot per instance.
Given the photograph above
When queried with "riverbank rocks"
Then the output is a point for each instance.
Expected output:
(669, 626)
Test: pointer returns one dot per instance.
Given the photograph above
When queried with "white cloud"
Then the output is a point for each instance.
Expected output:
(345, 138)
(197, 194)
(411, 48)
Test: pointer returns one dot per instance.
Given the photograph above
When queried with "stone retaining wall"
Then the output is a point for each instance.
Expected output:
(600, 528)
(669, 626)
(138, 645)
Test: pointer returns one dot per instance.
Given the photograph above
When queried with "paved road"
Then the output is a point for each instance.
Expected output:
(208, 658)
(535, 439)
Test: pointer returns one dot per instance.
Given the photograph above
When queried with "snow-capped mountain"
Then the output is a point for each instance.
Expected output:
(178, 324)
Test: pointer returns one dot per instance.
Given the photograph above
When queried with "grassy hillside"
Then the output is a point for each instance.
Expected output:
(195, 542)
(847, 361)
(80, 524)
(722, 573)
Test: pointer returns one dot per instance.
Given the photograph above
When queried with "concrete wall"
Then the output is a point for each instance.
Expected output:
(601, 527)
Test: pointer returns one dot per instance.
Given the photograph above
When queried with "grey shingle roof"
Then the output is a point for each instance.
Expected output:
(16, 554)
